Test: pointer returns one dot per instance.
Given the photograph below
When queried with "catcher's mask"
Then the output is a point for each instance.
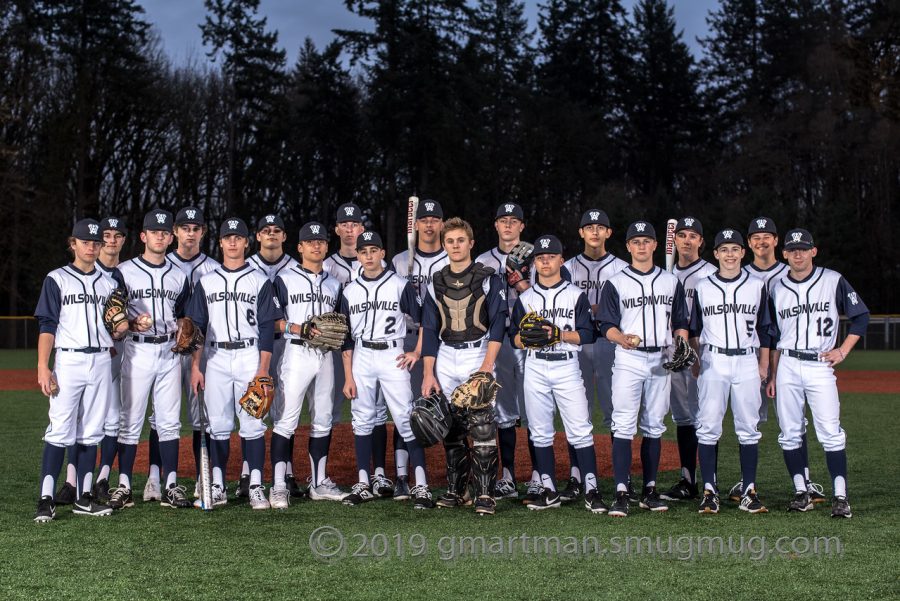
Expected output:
(430, 419)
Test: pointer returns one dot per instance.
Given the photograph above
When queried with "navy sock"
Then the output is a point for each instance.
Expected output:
(168, 452)
(155, 459)
(650, 450)
(687, 450)
(531, 452)
(244, 455)
(72, 455)
(399, 443)
(256, 453)
(318, 449)
(793, 459)
(804, 452)
(379, 445)
(837, 465)
(280, 449)
(108, 447)
(290, 457)
(573, 459)
(621, 457)
(87, 460)
(749, 461)
(708, 463)
(127, 453)
(507, 437)
(195, 446)
(363, 446)
(546, 464)
(51, 463)
(218, 454)
(586, 458)
(416, 454)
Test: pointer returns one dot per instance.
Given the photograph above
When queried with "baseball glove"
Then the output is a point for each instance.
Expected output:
(518, 263)
(537, 332)
(478, 392)
(115, 313)
(188, 337)
(332, 330)
(259, 396)
(683, 357)
(54, 386)
(430, 419)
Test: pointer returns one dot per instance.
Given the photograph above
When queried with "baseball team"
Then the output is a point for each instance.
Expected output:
(537, 334)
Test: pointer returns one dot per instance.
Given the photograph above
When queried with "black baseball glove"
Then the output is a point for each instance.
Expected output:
(683, 357)
(537, 332)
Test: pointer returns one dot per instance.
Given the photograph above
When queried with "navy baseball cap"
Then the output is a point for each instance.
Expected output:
(762, 225)
(113, 223)
(548, 244)
(158, 220)
(510, 209)
(429, 208)
(191, 215)
(87, 229)
(640, 228)
(798, 238)
(234, 225)
(728, 236)
(349, 212)
(269, 220)
(313, 231)
(594, 216)
(368, 238)
(689, 223)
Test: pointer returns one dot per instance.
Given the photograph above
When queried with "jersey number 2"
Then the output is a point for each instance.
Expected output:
(389, 326)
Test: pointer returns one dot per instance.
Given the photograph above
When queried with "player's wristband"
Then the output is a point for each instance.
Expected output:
(843, 356)
(287, 327)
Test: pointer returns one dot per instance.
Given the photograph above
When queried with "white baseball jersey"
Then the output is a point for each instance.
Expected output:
(496, 259)
(194, 268)
(805, 315)
(71, 307)
(730, 313)
(161, 291)
(650, 305)
(591, 274)
(767, 275)
(303, 294)
(425, 265)
(564, 304)
(271, 270)
(343, 269)
(690, 275)
(376, 307)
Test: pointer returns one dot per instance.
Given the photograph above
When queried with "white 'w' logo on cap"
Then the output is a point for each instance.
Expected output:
(727, 234)
(545, 243)
(191, 214)
(640, 226)
(348, 211)
(689, 221)
(595, 215)
(760, 223)
(429, 206)
(314, 229)
(160, 218)
(113, 223)
(367, 236)
(232, 224)
(796, 236)
(270, 218)
(509, 208)
(93, 229)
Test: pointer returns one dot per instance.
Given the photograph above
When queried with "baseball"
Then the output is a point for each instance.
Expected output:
(633, 339)
(144, 321)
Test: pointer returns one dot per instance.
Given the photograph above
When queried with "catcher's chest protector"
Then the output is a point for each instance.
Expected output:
(461, 303)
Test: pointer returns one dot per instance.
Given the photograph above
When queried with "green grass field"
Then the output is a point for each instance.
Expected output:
(153, 553)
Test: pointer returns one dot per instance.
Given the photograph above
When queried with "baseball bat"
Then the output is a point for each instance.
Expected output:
(670, 244)
(411, 207)
(206, 503)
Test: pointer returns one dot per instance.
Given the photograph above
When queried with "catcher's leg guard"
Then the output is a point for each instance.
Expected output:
(458, 462)
(483, 429)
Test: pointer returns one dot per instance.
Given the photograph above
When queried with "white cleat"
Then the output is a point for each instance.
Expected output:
(152, 491)
(279, 498)
(326, 491)
(258, 498)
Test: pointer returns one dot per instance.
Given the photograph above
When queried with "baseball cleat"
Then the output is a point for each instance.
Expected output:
(801, 502)
(549, 499)
(46, 510)
(450, 499)
(326, 491)
(619, 508)
(65, 495)
(571, 492)
(279, 498)
(710, 502)
(175, 497)
(533, 492)
(682, 491)
(359, 494)
(258, 498)
(401, 488)
(293, 488)
(421, 497)
(152, 491)
(101, 490)
(816, 492)
(485, 505)
(120, 497)
(632, 494)
(86, 505)
(219, 497)
(505, 489)
(840, 508)
(736, 492)
(750, 503)
(243, 488)
(594, 503)
(650, 500)
(382, 487)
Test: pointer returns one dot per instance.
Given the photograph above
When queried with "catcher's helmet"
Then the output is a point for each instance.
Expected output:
(430, 419)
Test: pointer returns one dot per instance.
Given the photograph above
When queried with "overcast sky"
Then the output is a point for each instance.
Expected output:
(177, 22)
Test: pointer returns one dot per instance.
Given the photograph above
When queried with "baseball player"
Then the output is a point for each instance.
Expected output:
(683, 400)
(375, 305)
(271, 260)
(463, 326)
(553, 376)
(729, 329)
(235, 308)
(509, 222)
(429, 258)
(157, 293)
(304, 291)
(805, 305)
(70, 313)
(762, 236)
(639, 308)
(589, 271)
(190, 228)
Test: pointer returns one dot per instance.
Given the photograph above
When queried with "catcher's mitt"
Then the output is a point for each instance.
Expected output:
(537, 332)
(430, 419)
(683, 357)
(115, 313)
(518, 263)
(332, 330)
(188, 337)
(478, 392)
(259, 396)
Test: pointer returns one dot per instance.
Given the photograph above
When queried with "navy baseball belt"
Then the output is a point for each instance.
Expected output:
(730, 352)
(553, 356)
(649, 349)
(462, 345)
(802, 355)
(152, 339)
(380, 345)
(231, 346)
(86, 349)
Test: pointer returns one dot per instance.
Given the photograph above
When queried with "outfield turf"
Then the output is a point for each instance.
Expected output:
(149, 552)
